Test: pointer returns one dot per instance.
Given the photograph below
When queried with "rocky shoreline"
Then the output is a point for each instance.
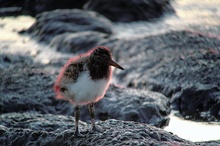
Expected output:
(174, 70)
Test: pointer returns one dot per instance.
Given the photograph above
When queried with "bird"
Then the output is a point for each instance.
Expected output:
(84, 80)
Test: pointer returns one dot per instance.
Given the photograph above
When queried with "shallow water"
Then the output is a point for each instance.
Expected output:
(190, 14)
(13, 43)
(194, 131)
(203, 16)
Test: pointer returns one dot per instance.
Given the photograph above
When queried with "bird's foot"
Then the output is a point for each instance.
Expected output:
(97, 128)
(79, 135)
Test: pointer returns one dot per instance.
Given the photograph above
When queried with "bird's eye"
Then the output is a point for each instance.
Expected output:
(97, 52)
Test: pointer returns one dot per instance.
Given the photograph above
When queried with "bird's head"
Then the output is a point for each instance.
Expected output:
(101, 55)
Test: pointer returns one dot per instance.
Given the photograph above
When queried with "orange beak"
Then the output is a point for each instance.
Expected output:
(112, 63)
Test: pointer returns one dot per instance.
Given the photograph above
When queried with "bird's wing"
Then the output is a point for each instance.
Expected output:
(73, 70)
(70, 72)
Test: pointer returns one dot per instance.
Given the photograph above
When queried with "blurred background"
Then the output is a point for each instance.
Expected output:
(170, 47)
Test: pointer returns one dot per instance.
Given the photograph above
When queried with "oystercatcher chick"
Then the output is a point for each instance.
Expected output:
(84, 81)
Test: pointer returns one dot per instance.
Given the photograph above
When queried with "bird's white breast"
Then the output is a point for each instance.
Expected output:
(86, 90)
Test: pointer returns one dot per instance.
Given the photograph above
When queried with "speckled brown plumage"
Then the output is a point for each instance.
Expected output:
(71, 72)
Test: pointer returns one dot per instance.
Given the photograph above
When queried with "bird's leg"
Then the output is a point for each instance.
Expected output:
(91, 112)
(77, 114)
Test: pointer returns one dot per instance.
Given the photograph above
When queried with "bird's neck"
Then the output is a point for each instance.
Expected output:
(99, 70)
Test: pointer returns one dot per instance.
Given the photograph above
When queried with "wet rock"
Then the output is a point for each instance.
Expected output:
(37, 129)
(8, 60)
(11, 3)
(39, 6)
(126, 11)
(209, 143)
(10, 11)
(50, 24)
(182, 65)
(129, 10)
(30, 89)
(77, 42)
(198, 101)
(34, 7)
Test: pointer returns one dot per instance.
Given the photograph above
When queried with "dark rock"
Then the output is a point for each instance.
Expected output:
(34, 7)
(37, 129)
(77, 42)
(11, 3)
(50, 24)
(129, 10)
(198, 101)
(133, 10)
(8, 60)
(30, 89)
(209, 143)
(38, 6)
(183, 65)
(9, 11)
